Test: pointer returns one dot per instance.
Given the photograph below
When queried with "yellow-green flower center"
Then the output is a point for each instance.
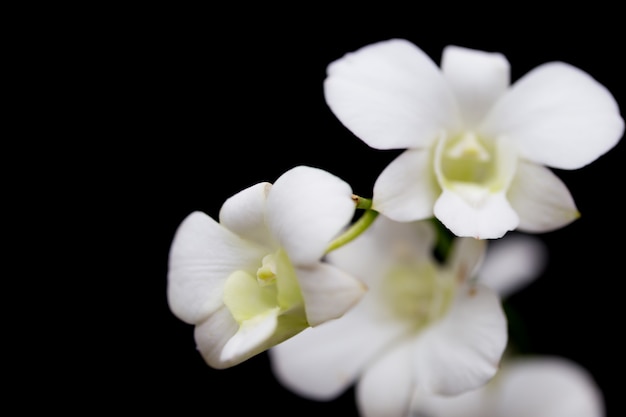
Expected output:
(419, 293)
(275, 286)
(468, 159)
(474, 167)
(266, 274)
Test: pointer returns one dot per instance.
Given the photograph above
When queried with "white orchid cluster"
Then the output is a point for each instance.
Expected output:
(405, 303)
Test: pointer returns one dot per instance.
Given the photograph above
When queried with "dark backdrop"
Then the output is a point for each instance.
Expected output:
(202, 104)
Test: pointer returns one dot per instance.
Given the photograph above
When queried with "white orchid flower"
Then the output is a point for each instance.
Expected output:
(422, 325)
(526, 386)
(478, 151)
(257, 278)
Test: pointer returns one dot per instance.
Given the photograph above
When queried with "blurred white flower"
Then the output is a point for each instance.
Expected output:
(478, 150)
(526, 386)
(513, 263)
(422, 325)
(256, 278)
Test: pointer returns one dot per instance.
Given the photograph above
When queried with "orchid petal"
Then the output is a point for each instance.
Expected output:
(390, 95)
(323, 361)
(463, 350)
(382, 246)
(558, 116)
(306, 208)
(547, 387)
(477, 79)
(512, 263)
(244, 214)
(541, 199)
(328, 292)
(538, 386)
(224, 343)
(213, 334)
(489, 220)
(386, 386)
(406, 189)
(202, 256)
(466, 256)
(474, 403)
(252, 336)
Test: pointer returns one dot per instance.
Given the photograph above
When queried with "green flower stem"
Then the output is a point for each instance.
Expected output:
(357, 227)
(444, 236)
(362, 203)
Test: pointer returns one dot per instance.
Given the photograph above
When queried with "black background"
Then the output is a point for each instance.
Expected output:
(180, 109)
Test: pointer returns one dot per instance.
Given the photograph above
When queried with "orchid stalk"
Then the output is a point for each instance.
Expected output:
(358, 227)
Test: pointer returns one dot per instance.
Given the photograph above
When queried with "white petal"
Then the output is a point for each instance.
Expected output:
(477, 78)
(558, 116)
(541, 199)
(390, 94)
(490, 220)
(406, 189)
(251, 338)
(386, 387)
(546, 387)
(466, 256)
(469, 404)
(382, 246)
(328, 292)
(224, 343)
(202, 256)
(462, 351)
(306, 208)
(512, 263)
(322, 362)
(244, 214)
(212, 335)
(537, 386)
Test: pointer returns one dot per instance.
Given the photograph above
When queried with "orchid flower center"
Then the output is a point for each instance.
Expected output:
(468, 159)
(419, 293)
(474, 167)
(275, 287)
(266, 274)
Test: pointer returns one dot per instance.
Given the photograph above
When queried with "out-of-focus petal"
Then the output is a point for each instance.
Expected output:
(406, 189)
(490, 220)
(541, 199)
(391, 95)
(558, 116)
(386, 386)
(306, 208)
(462, 351)
(466, 257)
(328, 292)
(475, 403)
(546, 387)
(512, 263)
(212, 335)
(384, 244)
(537, 386)
(322, 362)
(244, 214)
(202, 256)
(477, 78)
